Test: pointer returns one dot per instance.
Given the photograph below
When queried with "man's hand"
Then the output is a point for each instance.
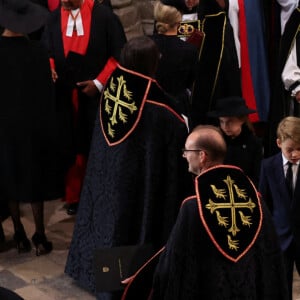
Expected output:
(88, 87)
(54, 75)
(127, 280)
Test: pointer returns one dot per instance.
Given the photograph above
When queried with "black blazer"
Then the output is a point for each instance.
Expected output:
(275, 193)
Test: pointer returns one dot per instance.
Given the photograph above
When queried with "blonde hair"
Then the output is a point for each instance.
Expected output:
(289, 128)
(166, 17)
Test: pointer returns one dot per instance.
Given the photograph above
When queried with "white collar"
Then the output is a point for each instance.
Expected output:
(285, 160)
(74, 20)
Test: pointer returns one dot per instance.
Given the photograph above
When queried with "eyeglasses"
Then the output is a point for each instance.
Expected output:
(190, 150)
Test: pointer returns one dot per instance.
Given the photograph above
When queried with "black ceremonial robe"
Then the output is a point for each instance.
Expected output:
(106, 39)
(217, 250)
(136, 175)
(198, 266)
(217, 74)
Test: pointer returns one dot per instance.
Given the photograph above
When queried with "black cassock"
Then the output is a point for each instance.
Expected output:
(136, 175)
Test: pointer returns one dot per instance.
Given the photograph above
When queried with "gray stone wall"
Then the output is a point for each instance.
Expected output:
(135, 15)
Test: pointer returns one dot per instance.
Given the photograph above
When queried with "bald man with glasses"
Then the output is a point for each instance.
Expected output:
(204, 148)
(223, 244)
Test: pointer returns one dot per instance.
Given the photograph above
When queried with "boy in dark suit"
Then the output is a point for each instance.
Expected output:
(280, 188)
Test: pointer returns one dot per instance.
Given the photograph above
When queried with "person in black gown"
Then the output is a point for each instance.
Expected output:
(135, 176)
(27, 121)
(223, 244)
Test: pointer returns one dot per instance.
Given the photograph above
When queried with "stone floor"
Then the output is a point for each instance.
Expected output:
(36, 278)
(42, 277)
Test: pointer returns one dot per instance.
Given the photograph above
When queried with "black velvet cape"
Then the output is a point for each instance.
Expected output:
(192, 267)
(133, 188)
(200, 261)
(193, 264)
(196, 270)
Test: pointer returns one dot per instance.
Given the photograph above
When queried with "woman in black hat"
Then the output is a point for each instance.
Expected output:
(27, 115)
(244, 148)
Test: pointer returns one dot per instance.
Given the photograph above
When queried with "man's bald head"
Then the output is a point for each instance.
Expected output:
(210, 139)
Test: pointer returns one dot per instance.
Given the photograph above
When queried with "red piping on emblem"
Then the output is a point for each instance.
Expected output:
(207, 228)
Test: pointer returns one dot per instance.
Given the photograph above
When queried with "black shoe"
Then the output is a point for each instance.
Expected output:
(23, 243)
(72, 209)
(42, 245)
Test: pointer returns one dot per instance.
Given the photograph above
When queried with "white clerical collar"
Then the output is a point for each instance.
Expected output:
(74, 23)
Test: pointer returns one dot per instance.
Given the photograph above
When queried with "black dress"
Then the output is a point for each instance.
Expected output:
(176, 69)
(27, 123)
(133, 186)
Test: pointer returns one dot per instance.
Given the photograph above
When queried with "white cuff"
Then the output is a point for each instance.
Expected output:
(98, 84)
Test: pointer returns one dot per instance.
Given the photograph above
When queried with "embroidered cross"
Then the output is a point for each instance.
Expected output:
(114, 94)
(233, 205)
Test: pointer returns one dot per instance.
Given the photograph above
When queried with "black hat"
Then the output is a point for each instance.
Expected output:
(229, 107)
(22, 16)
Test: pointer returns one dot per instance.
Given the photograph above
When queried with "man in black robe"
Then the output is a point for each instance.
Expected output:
(223, 244)
(81, 36)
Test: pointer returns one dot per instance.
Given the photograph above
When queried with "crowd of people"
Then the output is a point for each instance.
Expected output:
(187, 140)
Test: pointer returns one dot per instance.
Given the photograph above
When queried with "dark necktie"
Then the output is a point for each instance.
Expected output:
(289, 179)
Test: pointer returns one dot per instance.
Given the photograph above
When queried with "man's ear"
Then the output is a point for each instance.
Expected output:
(278, 142)
(203, 156)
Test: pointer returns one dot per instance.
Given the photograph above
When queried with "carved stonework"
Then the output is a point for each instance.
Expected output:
(135, 15)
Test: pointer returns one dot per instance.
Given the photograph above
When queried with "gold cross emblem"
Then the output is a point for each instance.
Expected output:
(116, 111)
(234, 192)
